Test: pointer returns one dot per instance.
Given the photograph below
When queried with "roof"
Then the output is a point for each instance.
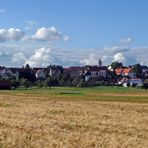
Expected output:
(75, 68)
(127, 70)
(119, 71)
(38, 68)
(69, 69)
(95, 68)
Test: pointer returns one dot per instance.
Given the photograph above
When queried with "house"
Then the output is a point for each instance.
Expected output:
(144, 71)
(55, 71)
(119, 71)
(15, 72)
(131, 82)
(128, 72)
(125, 72)
(40, 74)
(73, 72)
(8, 73)
(95, 72)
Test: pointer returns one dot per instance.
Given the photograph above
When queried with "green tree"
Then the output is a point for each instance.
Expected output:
(39, 83)
(82, 83)
(24, 83)
(115, 65)
(137, 70)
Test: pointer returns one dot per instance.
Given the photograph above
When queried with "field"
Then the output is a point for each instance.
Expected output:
(74, 118)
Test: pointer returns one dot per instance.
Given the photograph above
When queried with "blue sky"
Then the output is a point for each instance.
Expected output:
(73, 32)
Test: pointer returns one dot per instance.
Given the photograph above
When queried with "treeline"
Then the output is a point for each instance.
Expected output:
(61, 80)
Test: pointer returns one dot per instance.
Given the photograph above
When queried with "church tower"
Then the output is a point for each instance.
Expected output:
(100, 63)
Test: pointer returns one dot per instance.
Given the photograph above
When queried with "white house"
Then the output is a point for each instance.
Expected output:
(7, 73)
(40, 74)
(95, 72)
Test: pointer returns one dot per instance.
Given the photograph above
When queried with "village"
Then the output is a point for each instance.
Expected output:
(97, 75)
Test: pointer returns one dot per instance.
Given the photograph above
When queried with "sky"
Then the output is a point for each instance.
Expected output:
(73, 32)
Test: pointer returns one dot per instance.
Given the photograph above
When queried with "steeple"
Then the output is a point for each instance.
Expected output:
(100, 63)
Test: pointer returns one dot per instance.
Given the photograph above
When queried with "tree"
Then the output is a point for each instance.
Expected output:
(82, 83)
(25, 83)
(137, 70)
(27, 73)
(115, 65)
(47, 82)
(39, 83)
(14, 83)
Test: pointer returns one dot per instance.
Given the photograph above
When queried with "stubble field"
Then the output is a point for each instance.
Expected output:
(74, 118)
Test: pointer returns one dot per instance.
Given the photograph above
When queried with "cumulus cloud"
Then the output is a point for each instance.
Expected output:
(41, 57)
(42, 34)
(91, 60)
(12, 34)
(19, 58)
(49, 34)
(119, 57)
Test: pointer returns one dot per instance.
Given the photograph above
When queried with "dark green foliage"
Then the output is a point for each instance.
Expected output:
(137, 70)
(115, 65)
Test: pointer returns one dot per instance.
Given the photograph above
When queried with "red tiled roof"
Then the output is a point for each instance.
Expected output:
(119, 71)
(127, 70)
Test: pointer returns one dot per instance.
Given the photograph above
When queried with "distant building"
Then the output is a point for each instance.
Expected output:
(40, 74)
(73, 72)
(95, 72)
(7, 73)
(125, 72)
(100, 63)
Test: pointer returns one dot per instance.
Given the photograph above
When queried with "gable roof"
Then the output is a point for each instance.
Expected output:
(95, 68)
(127, 70)
(118, 71)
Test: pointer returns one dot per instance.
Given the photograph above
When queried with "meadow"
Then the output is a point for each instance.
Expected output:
(101, 117)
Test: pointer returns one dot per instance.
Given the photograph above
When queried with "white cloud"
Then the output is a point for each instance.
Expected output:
(49, 34)
(42, 34)
(116, 49)
(12, 34)
(19, 58)
(41, 57)
(2, 10)
(119, 57)
(91, 60)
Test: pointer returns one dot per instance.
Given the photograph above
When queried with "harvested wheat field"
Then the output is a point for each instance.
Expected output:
(74, 118)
